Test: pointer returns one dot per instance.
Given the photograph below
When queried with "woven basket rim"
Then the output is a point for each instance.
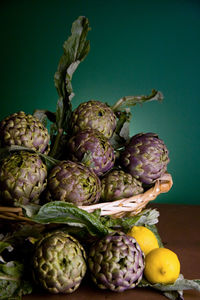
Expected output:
(133, 205)
(118, 208)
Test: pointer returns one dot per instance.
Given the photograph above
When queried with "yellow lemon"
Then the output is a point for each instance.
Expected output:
(162, 266)
(145, 238)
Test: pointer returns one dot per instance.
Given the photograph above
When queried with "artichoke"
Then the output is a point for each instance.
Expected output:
(117, 185)
(23, 177)
(94, 115)
(24, 130)
(73, 182)
(59, 263)
(90, 147)
(145, 157)
(116, 262)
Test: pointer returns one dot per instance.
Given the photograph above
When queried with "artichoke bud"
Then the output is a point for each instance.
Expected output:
(73, 182)
(24, 130)
(90, 147)
(59, 263)
(23, 177)
(145, 157)
(118, 184)
(116, 262)
(94, 115)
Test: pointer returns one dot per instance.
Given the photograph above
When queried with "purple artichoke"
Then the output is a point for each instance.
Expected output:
(73, 182)
(116, 262)
(90, 147)
(118, 184)
(145, 157)
(94, 115)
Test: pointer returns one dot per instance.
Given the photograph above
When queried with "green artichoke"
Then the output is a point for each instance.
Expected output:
(94, 115)
(23, 177)
(145, 157)
(116, 262)
(73, 182)
(59, 263)
(101, 155)
(24, 130)
(117, 185)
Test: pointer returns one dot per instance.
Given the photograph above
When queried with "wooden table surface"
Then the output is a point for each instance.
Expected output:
(179, 229)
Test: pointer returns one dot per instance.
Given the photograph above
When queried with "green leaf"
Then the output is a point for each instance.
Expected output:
(49, 161)
(12, 269)
(76, 48)
(12, 286)
(121, 134)
(43, 115)
(30, 209)
(13, 290)
(146, 217)
(129, 101)
(67, 213)
(5, 245)
(122, 111)
(8, 289)
(87, 159)
(173, 290)
(174, 295)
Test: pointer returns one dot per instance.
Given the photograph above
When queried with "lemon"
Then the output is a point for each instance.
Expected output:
(145, 238)
(162, 266)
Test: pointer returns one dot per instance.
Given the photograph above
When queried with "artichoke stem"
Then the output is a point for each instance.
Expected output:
(54, 149)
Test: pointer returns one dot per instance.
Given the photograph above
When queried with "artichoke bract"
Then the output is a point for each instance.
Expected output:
(118, 184)
(116, 262)
(73, 182)
(94, 115)
(90, 147)
(24, 130)
(145, 157)
(59, 263)
(23, 177)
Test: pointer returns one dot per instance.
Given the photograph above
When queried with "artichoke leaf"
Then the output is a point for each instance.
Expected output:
(76, 48)
(43, 115)
(147, 217)
(67, 213)
(121, 134)
(129, 101)
(174, 291)
(5, 245)
(12, 285)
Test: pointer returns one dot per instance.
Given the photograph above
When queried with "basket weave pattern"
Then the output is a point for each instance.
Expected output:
(134, 204)
(119, 208)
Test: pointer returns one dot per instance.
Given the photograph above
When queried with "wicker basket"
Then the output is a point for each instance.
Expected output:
(118, 208)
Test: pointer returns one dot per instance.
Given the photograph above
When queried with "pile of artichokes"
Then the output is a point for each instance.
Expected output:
(93, 159)
(90, 170)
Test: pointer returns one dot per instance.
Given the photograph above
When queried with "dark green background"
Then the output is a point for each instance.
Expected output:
(135, 46)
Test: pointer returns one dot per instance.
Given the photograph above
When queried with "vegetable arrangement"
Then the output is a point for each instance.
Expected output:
(88, 157)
